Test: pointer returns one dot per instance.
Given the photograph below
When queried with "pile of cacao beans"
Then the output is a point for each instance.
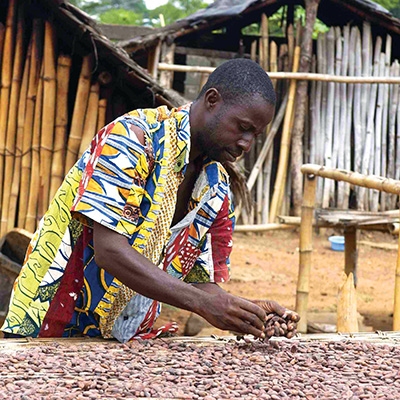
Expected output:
(175, 369)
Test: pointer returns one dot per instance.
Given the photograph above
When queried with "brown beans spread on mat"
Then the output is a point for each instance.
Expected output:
(166, 369)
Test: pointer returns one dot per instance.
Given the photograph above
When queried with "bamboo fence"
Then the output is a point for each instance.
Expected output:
(351, 120)
(40, 138)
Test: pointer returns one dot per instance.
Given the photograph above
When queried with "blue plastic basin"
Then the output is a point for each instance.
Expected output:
(337, 243)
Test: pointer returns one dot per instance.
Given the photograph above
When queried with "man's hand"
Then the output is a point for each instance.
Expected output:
(280, 320)
(228, 312)
(270, 307)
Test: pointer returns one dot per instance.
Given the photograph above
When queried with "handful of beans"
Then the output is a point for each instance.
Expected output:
(284, 325)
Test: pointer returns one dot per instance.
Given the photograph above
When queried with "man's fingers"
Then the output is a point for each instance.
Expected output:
(253, 309)
(247, 328)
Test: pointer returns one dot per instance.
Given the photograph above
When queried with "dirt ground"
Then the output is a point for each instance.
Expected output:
(266, 266)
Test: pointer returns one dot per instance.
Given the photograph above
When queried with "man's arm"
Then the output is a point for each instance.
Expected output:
(114, 254)
(269, 306)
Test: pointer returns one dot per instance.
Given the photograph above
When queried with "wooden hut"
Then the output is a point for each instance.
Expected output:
(345, 115)
(61, 80)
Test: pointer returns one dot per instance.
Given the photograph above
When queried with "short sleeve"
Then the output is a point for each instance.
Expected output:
(114, 177)
(212, 265)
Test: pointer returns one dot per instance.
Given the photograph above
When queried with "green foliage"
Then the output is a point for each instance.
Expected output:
(121, 17)
(388, 4)
(135, 12)
(174, 10)
(96, 8)
(277, 23)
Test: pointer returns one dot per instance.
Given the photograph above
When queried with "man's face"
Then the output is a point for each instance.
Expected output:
(230, 129)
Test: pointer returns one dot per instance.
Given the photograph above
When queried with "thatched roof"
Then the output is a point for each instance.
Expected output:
(80, 31)
(245, 12)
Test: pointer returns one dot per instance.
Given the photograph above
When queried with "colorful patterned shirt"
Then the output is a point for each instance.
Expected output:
(130, 188)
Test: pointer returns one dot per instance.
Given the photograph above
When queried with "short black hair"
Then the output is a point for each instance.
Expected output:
(239, 79)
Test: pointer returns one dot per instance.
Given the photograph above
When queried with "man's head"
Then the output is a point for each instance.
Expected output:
(234, 106)
(239, 80)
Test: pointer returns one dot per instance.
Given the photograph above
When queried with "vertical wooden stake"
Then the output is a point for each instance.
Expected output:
(6, 77)
(78, 117)
(57, 167)
(350, 256)
(285, 145)
(167, 56)
(12, 119)
(48, 115)
(347, 307)
(303, 282)
(101, 117)
(152, 60)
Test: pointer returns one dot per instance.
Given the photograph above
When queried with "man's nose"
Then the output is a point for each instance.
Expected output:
(246, 142)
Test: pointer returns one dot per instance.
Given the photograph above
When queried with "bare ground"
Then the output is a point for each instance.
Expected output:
(266, 266)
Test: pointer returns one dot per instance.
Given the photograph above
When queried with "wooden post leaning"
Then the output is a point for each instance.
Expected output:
(368, 181)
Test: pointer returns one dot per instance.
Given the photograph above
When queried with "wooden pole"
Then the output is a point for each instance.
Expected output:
(328, 186)
(264, 43)
(385, 113)
(34, 199)
(348, 112)
(301, 96)
(285, 145)
(347, 307)
(253, 50)
(321, 106)
(2, 37)
(267, 169)
(305, 252)
(338, 133)
(319, 77)
(78, 117)
(290, 41)
(366, 70)
(6, 77)
(101, 118)
(368, 139)
(262, 227)
(153, 59)
(350, 248)
(90, 125)
(267, 144)
(354, 178)
(13, 111)
(61, 125)
(15, 186)
(167, 56)
(48, 115)
(378, 140)
(392, 132)
(314, 123)
(34, 71)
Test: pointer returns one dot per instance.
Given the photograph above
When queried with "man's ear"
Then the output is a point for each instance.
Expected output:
(212, 98)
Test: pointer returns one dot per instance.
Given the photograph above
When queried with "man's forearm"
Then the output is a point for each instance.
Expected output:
(209, 287)
(114, 254)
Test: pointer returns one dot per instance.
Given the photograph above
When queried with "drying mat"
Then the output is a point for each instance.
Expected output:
(378, 337)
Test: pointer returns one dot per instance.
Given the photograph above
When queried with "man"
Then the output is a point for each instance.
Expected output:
(147, 203)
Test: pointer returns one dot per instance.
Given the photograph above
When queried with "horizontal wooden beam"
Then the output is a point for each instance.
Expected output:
(191, 51)
(368, 181)
(291, 75)
(262, 227)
